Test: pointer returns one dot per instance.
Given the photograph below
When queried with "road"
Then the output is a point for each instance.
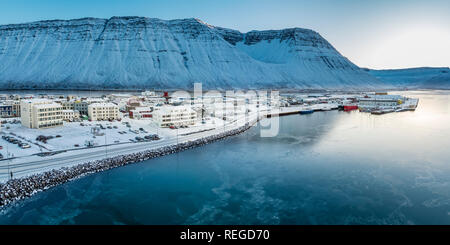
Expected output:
(34, 164)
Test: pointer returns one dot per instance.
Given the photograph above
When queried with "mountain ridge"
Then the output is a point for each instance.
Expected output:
(141, 52)
(416, 77)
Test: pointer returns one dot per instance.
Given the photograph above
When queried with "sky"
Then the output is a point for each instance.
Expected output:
(383, 34)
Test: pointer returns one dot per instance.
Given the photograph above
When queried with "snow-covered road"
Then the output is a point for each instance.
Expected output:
(35, 164)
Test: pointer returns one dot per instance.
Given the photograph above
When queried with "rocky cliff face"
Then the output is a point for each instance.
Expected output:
(137, 52)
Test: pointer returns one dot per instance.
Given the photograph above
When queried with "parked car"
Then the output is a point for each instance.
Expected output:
(25, 146)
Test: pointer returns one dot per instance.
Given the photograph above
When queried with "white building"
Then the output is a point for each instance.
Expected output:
(40, 113)
(174, 115)
(149, 93)
(142, 112)
(103, 111)
(70, 115)
(380, 101)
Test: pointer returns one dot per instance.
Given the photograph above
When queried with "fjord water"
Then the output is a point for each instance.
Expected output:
(323, 168)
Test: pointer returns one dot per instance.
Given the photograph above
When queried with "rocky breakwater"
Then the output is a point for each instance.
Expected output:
(17, 189)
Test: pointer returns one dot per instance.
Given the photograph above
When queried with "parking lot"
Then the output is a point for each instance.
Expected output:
(18, 141)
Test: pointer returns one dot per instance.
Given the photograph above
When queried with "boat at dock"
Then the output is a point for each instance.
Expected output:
(306, 110)
(350, 107)
(383, 111)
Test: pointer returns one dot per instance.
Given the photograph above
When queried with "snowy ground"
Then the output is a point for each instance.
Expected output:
(26, 162)
(30, 164)
(74, 135)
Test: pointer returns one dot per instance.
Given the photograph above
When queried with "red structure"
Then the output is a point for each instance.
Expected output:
(350, 107)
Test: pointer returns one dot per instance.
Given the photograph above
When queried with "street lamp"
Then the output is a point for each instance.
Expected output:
(106, 147)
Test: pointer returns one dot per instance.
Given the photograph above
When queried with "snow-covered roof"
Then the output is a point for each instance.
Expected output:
(50, 105)
(95, 105)
(170, 108)
(37, 101)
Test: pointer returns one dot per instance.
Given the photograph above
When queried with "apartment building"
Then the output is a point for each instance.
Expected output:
(5, 110)
(40, 113)
(68, 104)
(174, 115)
(70, 115)
(16, 108)
(10, 108)
(82, 105)
(103, 111)
(142, 112)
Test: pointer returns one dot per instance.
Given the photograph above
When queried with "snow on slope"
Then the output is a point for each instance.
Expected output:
(423, 77)
(138, 52)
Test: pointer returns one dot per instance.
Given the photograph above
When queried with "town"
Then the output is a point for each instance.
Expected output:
(47, 131)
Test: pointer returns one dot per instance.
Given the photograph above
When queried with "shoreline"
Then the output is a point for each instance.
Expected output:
(24, 187)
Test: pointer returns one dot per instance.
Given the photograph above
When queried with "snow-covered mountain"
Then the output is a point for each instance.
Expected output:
(422, 77)
(138, 52)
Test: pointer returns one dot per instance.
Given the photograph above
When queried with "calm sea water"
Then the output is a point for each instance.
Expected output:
(324, 168)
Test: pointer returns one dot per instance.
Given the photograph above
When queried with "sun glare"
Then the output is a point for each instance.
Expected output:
(414, 47)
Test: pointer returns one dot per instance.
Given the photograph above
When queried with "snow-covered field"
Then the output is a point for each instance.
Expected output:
(72, 134)
(26, 162)
(30, 164)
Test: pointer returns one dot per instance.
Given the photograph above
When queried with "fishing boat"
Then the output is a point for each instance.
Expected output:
(306, 110)
(382, 111)
(361, 109)
(350, 107)
(376, 112)
(388, 110)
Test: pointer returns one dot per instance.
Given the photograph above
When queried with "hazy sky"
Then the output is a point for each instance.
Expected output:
(375, 34)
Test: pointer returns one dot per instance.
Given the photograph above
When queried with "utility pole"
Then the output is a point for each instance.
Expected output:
(9, 160)
(106, 147)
